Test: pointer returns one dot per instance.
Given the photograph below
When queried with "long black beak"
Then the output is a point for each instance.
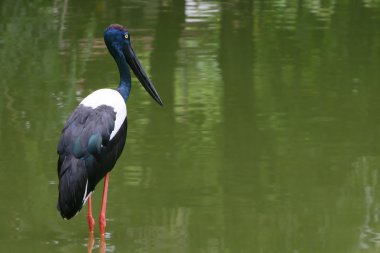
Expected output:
(135, 65)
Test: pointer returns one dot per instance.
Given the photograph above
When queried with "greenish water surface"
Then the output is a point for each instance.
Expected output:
(268, 140)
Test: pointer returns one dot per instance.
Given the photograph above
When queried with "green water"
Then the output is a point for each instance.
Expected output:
(268, 140)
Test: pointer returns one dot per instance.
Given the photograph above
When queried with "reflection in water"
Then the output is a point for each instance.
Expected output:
(285, 15)
(323, 10)
(367, 176)
(203, 12)
(161, 230)
(91, 242)
(241, 144)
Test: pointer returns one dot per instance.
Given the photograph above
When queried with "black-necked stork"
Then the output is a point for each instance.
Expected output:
(94, 135)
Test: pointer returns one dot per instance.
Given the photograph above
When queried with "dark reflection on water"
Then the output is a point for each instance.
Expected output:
(267, 141)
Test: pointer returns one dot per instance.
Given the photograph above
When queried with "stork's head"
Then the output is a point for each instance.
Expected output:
(118, 41)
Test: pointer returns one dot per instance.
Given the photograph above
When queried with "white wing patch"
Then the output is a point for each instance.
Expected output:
(84, 197)
(85, 193)
(111, 98)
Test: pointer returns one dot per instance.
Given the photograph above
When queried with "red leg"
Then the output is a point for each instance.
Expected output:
(90, 218)
(102, 217)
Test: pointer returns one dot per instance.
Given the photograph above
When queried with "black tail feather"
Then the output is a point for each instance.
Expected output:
(73, 185)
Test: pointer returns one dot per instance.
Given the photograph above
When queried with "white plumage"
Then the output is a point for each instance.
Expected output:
(111, 98)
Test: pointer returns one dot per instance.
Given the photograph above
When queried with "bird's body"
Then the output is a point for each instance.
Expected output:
(94, 135)
(91, 142)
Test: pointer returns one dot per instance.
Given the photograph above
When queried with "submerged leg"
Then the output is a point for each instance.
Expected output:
(90, 242)
(90, 218)
(102, 217)
(102, 244)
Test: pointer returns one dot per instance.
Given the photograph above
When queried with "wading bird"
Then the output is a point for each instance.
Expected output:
(94, 135)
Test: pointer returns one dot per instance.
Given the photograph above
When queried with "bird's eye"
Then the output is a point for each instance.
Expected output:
(126, 36)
